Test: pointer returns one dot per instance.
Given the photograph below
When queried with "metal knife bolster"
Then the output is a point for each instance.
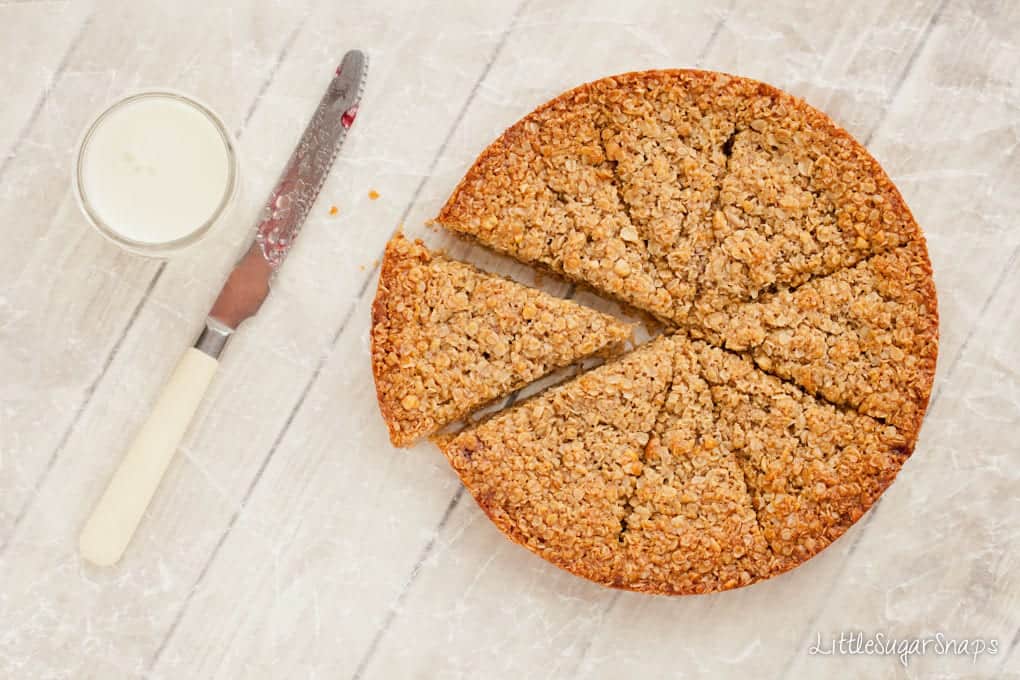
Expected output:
(213, 337)
(288, 205)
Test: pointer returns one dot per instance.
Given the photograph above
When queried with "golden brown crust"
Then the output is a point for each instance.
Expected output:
(389, 276)
(447, 338)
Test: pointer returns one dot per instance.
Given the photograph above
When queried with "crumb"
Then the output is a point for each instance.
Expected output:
(333, 210)
(373, 194)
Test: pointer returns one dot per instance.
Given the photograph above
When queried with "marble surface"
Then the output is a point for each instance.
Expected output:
(289, 540)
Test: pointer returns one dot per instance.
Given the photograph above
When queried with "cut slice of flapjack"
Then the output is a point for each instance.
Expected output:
(448, 338)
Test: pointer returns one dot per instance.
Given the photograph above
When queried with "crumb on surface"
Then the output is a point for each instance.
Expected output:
(333, 210)
(373, 194)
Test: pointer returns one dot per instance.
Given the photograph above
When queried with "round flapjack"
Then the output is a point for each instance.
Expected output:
(800, 292)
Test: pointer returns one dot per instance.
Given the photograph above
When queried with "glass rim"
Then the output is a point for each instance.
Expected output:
(163, 247)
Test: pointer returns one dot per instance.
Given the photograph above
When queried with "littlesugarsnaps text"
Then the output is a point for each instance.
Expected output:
(859, 643)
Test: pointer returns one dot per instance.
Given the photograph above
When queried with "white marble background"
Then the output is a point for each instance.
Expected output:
(289, 540)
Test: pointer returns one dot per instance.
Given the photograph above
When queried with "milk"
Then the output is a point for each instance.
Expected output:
(155, 169)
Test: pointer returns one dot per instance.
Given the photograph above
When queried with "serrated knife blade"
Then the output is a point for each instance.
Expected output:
(120, 509)
(289, 203)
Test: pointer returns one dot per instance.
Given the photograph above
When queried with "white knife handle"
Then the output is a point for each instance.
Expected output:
(119, 511)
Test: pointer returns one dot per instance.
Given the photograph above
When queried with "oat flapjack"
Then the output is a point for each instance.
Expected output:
(801, 320)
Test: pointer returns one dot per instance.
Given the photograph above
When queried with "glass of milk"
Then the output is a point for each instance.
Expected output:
(156, 172)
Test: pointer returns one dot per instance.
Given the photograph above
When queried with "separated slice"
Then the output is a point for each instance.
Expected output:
(448, 338)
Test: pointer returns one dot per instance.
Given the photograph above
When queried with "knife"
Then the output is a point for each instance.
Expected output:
(120, 509)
